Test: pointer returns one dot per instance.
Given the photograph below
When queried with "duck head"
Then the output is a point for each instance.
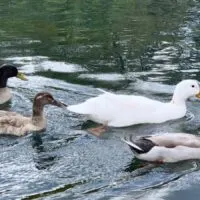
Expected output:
(186, 89)
(8, 71)
(40, 100)
(45, 98)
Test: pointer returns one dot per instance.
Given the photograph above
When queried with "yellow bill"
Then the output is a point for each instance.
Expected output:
(21, 76)
(197, 95)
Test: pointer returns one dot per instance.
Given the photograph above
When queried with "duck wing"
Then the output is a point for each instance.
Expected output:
(13, 124)
(15, 121)
(171, 140)
(4, 113)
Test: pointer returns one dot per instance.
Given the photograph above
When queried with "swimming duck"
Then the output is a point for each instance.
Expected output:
(169, 147)
(118, 110)
(16, 124)
(6, 72)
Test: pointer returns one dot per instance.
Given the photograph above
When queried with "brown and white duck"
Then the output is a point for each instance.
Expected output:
(7, 71)
(12, 123)
(168, 147)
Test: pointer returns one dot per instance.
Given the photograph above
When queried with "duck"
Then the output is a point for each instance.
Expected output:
(7, 71)
(118, 110)
(12, 123)
(165, 148)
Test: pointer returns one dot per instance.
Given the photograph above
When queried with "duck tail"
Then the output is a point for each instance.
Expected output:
(103, 91)
(131, 143)
(139, 146)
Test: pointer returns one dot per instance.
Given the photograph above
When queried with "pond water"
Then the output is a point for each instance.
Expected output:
(70, 48)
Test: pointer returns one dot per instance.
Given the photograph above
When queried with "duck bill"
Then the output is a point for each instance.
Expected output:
(21, 76)
(58, 104)
(198, 95)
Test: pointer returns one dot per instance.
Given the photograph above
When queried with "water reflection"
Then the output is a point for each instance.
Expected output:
(43, 159)
(103, 36)
(136, 164)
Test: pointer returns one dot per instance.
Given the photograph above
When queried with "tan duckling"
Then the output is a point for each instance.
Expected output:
(16, 124)
(7, 71)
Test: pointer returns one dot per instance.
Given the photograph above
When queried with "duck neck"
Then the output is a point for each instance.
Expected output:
(37, 115)
(178, 99)
(5, 95)
(3, 81)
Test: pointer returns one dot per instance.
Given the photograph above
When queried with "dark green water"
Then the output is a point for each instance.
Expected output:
(71, 47)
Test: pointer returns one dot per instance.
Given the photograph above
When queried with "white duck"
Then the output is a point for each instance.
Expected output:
(124, 110)
(169, 147)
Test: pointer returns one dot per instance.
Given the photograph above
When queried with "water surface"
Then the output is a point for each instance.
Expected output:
(69, 48)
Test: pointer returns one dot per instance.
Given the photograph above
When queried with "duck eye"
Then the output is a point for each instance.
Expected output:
(192, 85)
